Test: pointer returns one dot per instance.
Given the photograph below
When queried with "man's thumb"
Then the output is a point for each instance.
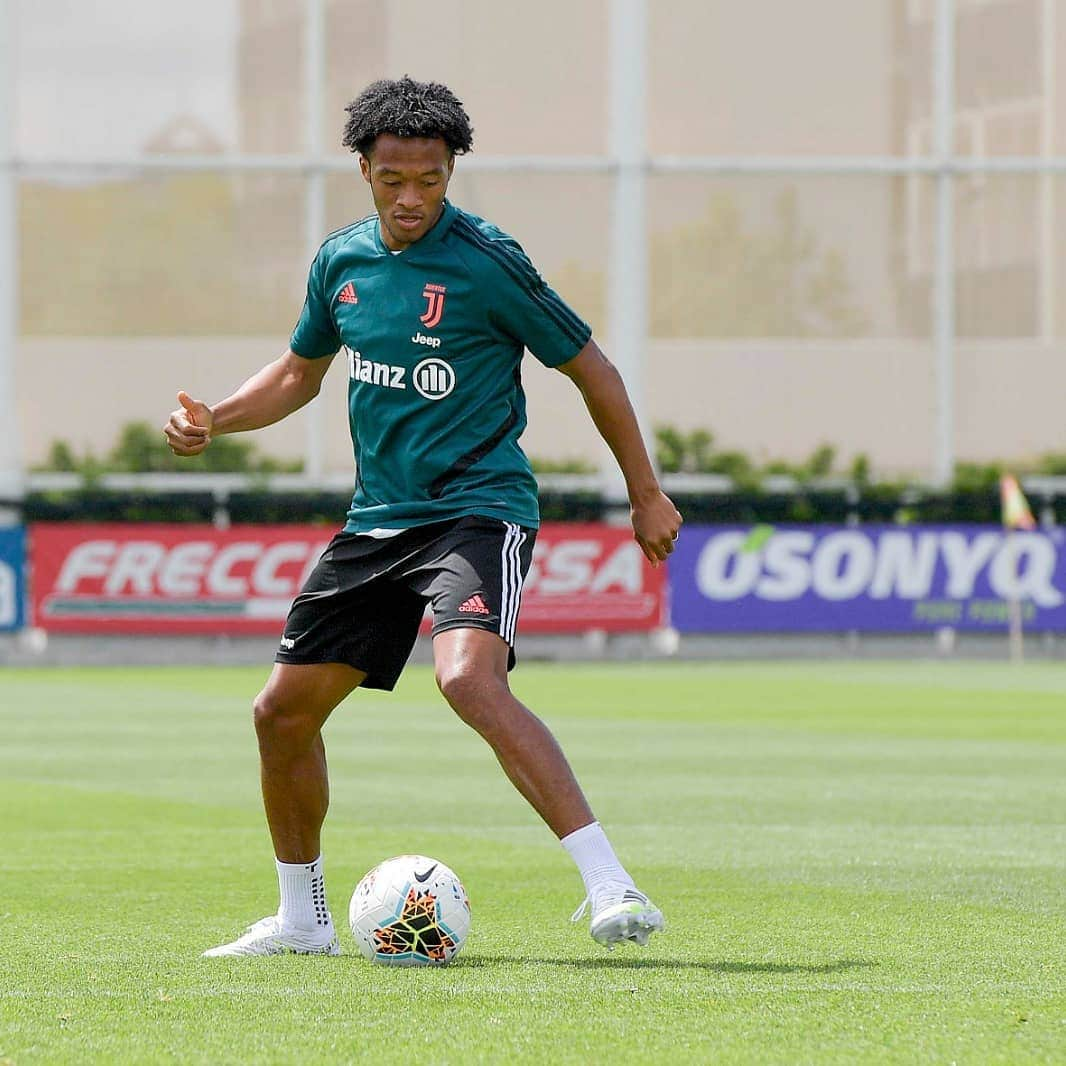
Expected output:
(190, 406)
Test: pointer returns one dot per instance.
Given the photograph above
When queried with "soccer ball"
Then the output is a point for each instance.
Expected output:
(410, 911)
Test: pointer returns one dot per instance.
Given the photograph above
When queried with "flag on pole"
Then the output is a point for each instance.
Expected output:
(1016, 513)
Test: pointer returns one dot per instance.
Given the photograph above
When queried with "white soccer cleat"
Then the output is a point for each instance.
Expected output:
(620, 912)
(269, 937)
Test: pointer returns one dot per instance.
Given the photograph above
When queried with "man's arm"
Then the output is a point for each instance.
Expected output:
(267, 397)
(655, 519)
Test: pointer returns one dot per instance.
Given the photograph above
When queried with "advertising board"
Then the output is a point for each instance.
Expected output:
(590, 577)
(12, 580)
(872, 578)
(201, 580)
(124, 578)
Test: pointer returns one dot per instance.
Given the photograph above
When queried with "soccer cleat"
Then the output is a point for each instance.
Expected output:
(620, 912)
(269, 937)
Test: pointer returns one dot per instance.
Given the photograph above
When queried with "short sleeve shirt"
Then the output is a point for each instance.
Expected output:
(434, 339)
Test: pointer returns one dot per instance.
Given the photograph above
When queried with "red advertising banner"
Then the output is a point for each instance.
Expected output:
(201, 580)
(591, 577)
(126, 578)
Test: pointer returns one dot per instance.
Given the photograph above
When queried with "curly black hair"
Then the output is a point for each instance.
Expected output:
(407, 108)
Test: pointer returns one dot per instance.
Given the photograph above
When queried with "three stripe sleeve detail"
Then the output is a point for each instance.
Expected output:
(522, 272)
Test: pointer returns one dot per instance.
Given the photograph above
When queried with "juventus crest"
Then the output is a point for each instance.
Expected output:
(434, 295)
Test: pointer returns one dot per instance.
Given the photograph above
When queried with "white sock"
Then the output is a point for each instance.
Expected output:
(303, 894)
(595, 858)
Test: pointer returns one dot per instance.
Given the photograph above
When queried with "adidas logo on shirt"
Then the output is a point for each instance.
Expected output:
(474, 605)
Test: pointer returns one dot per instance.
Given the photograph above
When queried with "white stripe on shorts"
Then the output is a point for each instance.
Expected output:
(506, 580)
(517, 602)
(511, 581)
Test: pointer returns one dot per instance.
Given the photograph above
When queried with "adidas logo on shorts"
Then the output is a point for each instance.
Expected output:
(474, 605)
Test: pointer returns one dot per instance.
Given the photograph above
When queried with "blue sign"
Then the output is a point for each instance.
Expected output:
(12, 577)
(867, 578)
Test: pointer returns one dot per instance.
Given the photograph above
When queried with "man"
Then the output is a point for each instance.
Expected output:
(434, 308)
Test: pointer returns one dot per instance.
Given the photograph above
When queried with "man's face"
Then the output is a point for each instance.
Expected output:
(408, 178)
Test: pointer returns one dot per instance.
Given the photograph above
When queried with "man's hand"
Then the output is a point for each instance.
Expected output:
(656, 522)
(188, 430)
(655, 518)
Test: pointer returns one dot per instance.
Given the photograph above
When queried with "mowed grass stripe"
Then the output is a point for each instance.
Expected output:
(857, 864)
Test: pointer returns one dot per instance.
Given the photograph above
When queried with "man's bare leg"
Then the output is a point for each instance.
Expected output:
(289, 715)
(472, 674)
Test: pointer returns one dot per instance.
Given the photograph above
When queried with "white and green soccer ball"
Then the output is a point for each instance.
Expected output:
(410, 911)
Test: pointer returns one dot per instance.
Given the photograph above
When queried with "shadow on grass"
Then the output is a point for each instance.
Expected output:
(619, 962)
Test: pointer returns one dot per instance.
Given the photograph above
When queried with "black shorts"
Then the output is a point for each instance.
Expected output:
(363, 602)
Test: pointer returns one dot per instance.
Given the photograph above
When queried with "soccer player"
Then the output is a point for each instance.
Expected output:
(433, 308)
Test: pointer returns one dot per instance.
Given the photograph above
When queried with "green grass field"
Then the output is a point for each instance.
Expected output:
(859, 863)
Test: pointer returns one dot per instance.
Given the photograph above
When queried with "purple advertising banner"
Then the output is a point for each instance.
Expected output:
(874, 578)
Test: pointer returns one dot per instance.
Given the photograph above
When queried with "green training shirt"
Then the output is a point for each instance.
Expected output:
(434, 337)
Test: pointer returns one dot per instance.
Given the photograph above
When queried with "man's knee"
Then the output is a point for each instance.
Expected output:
(280, 725)
(474, 691)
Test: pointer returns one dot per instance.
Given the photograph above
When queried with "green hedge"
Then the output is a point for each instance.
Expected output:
(823, 494)
(871, 505)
